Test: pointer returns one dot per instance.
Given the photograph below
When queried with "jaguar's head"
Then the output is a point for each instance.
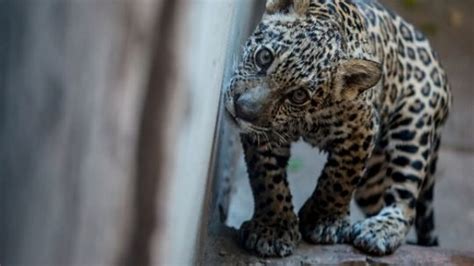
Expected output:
(294, 65)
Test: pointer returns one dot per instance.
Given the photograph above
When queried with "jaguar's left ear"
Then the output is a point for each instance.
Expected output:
(355, 76)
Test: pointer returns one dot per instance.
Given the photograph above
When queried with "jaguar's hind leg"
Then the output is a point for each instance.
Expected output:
(424, 222)
(370, 191)
(408, 154)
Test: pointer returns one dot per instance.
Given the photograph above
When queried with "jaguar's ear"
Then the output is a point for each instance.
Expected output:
(300, 6)
(355, 76)
(273, 6)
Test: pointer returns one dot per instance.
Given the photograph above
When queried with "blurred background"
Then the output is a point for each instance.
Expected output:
(113, 149)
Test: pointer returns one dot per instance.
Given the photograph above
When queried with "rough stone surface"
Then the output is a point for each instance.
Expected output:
(223, 249)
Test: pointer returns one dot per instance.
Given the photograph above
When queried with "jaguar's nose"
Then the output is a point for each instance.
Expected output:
(246, 108)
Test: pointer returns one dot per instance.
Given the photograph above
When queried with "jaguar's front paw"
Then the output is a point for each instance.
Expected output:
(278, 238)
(378, 235)
(326, 230)
(317, 228)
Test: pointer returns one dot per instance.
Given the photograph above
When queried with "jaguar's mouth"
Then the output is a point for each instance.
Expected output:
(240, 124)
(243, 126)
(230, 112)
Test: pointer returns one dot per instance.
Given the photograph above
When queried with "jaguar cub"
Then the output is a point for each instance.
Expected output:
(358, 82)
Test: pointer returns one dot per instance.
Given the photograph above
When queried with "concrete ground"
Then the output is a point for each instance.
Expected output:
(223, 249)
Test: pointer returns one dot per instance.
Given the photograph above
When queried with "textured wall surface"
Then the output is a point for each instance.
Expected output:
(208, 33)
(71, 78)
(108, 115)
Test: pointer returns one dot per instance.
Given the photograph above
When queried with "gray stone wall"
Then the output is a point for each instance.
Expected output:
(108, 116)
(72, 77)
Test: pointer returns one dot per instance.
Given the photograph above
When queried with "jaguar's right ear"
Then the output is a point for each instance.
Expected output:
(355, 76)
(275, 6)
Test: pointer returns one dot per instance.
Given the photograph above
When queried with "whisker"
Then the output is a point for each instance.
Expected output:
(258, 128)
(280, 137)
(266, 136)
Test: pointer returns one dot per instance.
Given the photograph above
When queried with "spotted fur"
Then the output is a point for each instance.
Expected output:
(357, 81)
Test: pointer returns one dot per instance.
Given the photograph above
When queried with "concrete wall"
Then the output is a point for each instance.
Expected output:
(108, 117)
(71, 84)
(210, 34)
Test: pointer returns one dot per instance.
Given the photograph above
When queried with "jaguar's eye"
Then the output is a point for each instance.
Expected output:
(299, 96)
(264, 58)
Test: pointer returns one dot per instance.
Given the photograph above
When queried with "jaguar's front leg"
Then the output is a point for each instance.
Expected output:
(324, 218)
(273, 229)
